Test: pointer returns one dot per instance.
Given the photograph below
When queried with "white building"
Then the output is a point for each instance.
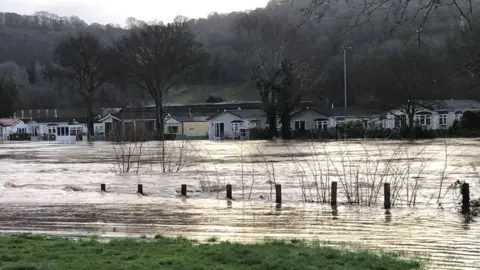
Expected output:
(57, 129)
(10, 126)
(234, 125)
(439, 115)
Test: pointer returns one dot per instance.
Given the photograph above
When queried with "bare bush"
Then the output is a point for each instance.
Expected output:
(174, 156)
(416, 172)
(128, 149)
(131, 151)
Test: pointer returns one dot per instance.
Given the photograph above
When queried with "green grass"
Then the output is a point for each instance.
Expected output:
(32, 252)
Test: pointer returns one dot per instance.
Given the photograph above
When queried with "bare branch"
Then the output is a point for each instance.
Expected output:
(158, 58)
(80, 64)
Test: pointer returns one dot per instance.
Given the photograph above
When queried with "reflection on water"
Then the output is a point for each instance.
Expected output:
(37, 198)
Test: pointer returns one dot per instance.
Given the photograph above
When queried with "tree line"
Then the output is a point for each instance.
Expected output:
(401, 54)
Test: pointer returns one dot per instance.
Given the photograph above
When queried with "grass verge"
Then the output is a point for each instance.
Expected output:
(35, 252)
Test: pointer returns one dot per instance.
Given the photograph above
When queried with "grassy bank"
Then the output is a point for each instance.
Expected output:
(29, 252)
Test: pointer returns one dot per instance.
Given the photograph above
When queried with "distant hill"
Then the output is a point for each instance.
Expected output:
(27, 42)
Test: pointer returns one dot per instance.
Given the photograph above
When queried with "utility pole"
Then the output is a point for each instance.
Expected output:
(419, 37)
(345, 48)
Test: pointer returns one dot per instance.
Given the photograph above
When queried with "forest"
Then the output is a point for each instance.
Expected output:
(394, 49)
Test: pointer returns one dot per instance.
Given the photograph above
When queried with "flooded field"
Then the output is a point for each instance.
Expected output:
(55, 188)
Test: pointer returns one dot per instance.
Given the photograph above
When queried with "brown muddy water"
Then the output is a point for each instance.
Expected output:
(54, 188)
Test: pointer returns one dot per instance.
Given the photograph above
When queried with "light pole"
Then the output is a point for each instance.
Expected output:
(345, 49)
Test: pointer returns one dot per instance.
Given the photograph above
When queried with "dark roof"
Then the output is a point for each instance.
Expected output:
(206, 108)
(128, 113)
(319, 110)
(244, 114)
(81, 120)
(35, 113)
(61, 113)
(187, 118)
(76, 112)
(353, 112)
(202, 108)
(454, 104)
(340, 112)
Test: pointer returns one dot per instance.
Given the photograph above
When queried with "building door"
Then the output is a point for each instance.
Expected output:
(219, 130)
(108, 128)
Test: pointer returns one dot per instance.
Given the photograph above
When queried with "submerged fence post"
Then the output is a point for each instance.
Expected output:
(465, 198)
(229, 191)
(103, 187)
(333, 200)
(184, 190)
(278, 193)
(140, 189)
(386, 194)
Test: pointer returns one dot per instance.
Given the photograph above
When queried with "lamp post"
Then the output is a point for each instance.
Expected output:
(345, 49)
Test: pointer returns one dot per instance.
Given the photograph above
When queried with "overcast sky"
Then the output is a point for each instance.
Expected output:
(117, 11)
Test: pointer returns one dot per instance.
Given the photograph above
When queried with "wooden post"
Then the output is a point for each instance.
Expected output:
(334, 194)
(278, 193)
(140, 189)
(229, 191)
(465, 198)
(386, 194)
(103, 187)
(184, 190)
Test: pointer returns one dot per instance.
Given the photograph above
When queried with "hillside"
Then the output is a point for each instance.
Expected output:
(27, 42)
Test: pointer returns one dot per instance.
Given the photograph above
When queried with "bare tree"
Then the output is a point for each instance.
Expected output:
(464, 54)
(81, 65)
(395, 13)
(262, 40)
(271, 48)
(407, 15)
(408, 81)
(132, 22)
(296, 78)
(157, 58)
(8, 102)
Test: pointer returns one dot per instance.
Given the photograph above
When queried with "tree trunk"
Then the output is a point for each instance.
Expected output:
(411, 125)
(90, 116)
(160, 118)
(272, 121)
(286, 128)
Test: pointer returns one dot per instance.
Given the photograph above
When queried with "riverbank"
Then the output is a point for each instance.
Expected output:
(43, 252)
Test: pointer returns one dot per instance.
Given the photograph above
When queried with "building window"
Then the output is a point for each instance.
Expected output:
(22, 131)
(236, 127)
(243, 132)
(51, 130)
(76, 131)
(173, 129)
(458, 117)
(299, 125)
(400, 120)
(62, 131)
(321, 125)
(424, 120)
(191, 129)
(99, 128)
(442, 119)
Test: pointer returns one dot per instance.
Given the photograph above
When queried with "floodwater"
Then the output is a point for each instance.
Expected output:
(54, 188)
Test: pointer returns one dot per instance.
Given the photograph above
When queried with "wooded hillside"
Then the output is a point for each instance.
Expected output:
(324, 28)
